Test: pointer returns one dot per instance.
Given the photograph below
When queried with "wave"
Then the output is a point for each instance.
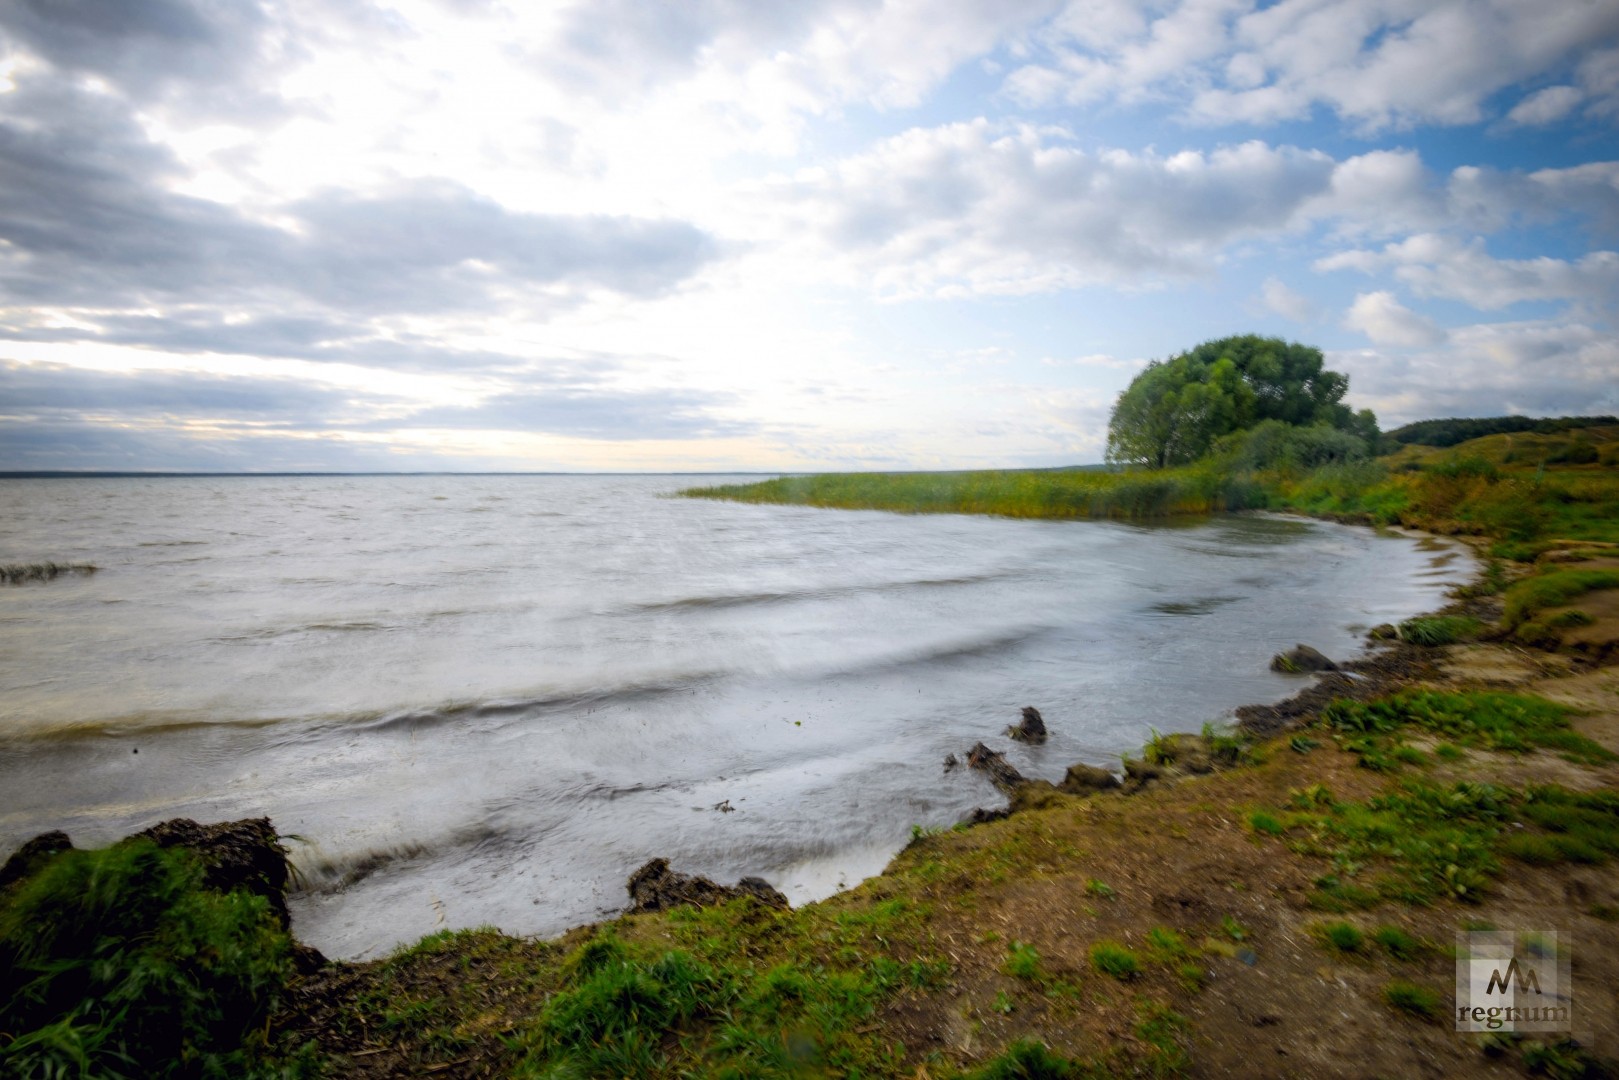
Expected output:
(1202, 605)
(729, 600)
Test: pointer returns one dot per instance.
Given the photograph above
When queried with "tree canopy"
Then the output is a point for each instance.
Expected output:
(1173, 412)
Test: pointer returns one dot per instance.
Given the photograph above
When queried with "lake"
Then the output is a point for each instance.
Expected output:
(488, 699)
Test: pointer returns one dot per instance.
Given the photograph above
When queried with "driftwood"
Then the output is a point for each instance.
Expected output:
(1000, 771)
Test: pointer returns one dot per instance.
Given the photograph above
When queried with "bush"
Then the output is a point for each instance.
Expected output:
(119, 962)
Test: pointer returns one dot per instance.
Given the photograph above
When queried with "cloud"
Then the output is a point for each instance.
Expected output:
(1386, 321)
(1375, 63)
(35, 390)
(811, 55)
(590, 413)
(1286, 302)
(91, 226)
(1440, 266)
(975, 208)
(1545, 106)
(1535, 368)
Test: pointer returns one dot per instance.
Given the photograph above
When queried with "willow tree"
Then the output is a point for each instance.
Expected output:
(1173, 411)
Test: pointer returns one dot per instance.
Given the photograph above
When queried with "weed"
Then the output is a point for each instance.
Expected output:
(1262, 821)
(1434, 630)
(1398, 943)
(1342, 936)
(1100, 889)
(1302, 744)
(1410, 998)
(1115, 959)
(1022, 961)
(1027, 1060)
(1164, 944)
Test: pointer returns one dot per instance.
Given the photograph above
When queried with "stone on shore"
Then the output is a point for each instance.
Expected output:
(655, 887)
(1032, 729)
(1000, 771)
(1083, 779)
(1301, 659)
(28, 858)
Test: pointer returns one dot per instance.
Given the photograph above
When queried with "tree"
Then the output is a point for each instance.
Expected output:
(1173, 411)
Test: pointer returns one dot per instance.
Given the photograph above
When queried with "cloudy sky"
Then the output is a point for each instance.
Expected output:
(726, 234)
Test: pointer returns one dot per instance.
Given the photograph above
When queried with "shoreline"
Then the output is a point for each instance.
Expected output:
(1190, 1004)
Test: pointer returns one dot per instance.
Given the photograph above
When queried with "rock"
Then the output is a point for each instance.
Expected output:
(980, 816)
(655, 887)
(950, 762)
(1187, 752)
(1034, 795)
(1083, 779)
(1301, 659)
(1138, 774)
(32, 855)
(1001, 772)
(244, 854)
(1032, 729)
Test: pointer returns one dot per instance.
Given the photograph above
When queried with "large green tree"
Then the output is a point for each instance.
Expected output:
(1174, 410)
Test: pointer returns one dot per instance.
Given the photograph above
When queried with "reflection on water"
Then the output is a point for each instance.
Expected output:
(494, 697)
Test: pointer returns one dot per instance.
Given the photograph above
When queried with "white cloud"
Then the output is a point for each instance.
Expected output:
(1440, 266)
(975, 208)
(1376, 63)
(1538, 368)
(1386, 321)
(1276, 296)
(1545, 106)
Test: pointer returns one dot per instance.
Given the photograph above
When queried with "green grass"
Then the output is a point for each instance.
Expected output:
(1410, 998)
(119, 962)
(1397, 943)
(1199, 489)
(1115, 959)
(1553, 588)
(1342, 937)
(1022, 961)
(1418, 842)
(1485, 720)
(1439, 629)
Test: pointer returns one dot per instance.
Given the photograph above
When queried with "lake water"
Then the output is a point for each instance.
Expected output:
(488, 699)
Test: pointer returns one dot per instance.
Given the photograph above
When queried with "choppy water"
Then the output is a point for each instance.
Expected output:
(489, 699)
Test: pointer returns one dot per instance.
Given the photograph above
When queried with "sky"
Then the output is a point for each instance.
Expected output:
(715, 235)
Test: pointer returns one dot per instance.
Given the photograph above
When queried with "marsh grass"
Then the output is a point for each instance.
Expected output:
(1010, 493)
(1477, 488)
